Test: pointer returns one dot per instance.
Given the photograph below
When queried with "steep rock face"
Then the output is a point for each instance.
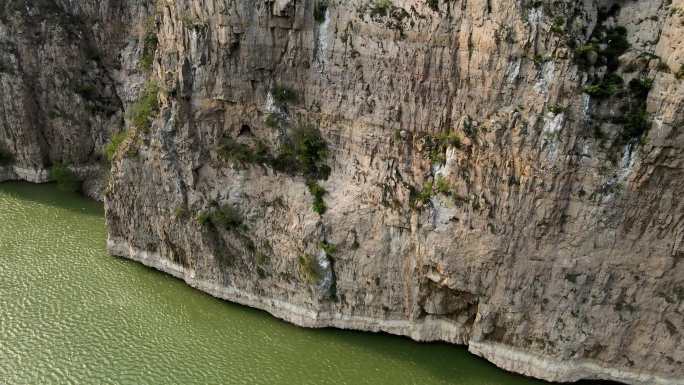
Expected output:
(60, 76)
(550, 240)
(503, 174)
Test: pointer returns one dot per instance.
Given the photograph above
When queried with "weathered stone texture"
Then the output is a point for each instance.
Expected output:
(555, 247)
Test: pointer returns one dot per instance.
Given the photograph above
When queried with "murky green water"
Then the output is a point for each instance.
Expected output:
(71, 314)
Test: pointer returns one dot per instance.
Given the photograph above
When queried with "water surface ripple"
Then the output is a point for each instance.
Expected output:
(71, 314)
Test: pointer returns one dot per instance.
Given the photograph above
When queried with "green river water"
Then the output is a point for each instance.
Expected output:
(71, 314)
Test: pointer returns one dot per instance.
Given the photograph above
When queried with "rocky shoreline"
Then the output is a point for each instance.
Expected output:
(502, 174)
(513, 360)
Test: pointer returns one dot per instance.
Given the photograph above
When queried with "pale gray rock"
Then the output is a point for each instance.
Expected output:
(554, 248)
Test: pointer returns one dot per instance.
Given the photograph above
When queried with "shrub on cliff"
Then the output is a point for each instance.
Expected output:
(283, 94)
(319, 10)
(605, 88)
(147, 105)
(150, 42)
(227, 217)
(231, 150)
(317, 192)
(436, 146)
(305, 153)
(65, 178)
(113, 145)
(425, 194)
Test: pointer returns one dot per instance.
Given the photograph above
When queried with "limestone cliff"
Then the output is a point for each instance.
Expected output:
(503, 174)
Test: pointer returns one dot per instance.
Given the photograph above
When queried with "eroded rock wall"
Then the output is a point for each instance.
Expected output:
(63, 89)
(503, 174)
(551, 238)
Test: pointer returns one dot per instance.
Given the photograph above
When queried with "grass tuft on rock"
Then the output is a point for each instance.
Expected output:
(318, 193)
(145, 109)
(150, 43)
(112, 147)
(308, 266)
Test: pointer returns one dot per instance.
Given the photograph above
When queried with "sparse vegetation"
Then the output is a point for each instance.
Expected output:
(180, 212)
(318, 193)
(226, 217)
(558, 26)
(586, 55)
(65, 178)
(431, 188)
(193, 22)
(436, 146)
(615, 42)
(442, 186)
(204, 218)
(320, 10)
(231, 150)
(283, 95)
(308, 266)
(556, 109)
(329, 248)
(640, 87)
(636, 123)
(144, 110)
(425, 194)
(541, 59)
(604, 50)
(150, 42)
(306, 153)
(113, 145)
(470, 127)
(272, 120)
(381, 7)
(606, 87)
(262, 259)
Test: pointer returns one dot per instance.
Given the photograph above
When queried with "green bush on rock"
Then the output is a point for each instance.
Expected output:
(146, 107)
(226, 217)
(231, 150)
(113, 145)
(317, 192)
(319, 10)
(150, 43)
(283, 94)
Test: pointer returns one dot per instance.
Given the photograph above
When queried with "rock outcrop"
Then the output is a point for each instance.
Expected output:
(62, 88)
(502, 174)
